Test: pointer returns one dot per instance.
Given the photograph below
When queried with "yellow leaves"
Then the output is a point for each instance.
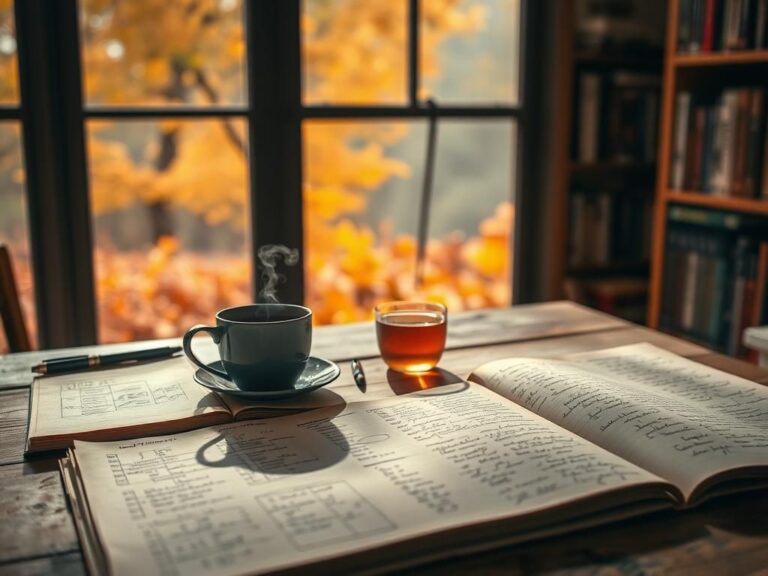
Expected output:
(156, 70)
(327, 202)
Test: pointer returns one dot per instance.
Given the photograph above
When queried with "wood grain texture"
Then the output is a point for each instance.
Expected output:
(62, 565)
(14, 408)
(347, 341)
(727, 536)
(724, 536)
(12, 472)
(36, 520)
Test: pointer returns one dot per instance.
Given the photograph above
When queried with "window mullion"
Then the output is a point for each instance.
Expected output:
(57, 190)
(413, 52)
(274, 95)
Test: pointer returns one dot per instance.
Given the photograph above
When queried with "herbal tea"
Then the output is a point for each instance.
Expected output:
(411, 339)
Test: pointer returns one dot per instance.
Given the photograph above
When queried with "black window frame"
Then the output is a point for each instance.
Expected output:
(53, 114)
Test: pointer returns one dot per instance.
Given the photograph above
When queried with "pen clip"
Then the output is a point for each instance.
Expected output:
(49, 360)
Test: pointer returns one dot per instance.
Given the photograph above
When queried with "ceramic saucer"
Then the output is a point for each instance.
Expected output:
(316, 374)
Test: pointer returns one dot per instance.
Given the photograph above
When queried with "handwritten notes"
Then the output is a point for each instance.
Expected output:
(277, 492)
(141, 394)
(669, 415)
(101, 396)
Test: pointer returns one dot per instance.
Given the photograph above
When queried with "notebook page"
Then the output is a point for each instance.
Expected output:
(674, 417)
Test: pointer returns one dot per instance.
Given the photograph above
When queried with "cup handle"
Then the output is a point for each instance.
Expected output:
(214, 332)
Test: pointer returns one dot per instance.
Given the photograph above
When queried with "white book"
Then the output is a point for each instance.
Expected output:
(724, 145)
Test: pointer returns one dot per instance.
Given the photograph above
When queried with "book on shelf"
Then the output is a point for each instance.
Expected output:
(527, 448)
(714, 276)
(608, 227)
(134, 401)
(719, 144)
(616, 117)
(722, 25)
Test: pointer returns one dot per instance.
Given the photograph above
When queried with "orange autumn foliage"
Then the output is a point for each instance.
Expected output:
(157, 52)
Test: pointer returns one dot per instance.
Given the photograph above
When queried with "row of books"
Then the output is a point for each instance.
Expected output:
(722, 25)
(616, 117)
(719, 143)
(609, 228)
(715, 276)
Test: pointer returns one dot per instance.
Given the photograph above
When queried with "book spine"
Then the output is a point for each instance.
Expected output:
(764, 175)
(602, 250)
(704, 283)
(737, 301)
(725, 140)
(697, 20)
(682, 115)
(668, 285)
(589, 123)
(685, 9)
(749, 21)
(754, 144)
(748, 307)
(731, 26)
(738, 184)
(761, 15)
(761, 286)
(719, 25)
(691, 287)
(708, 35)
(577, 230)
(696, 150)
(707, 153)
(651, 123)
(720, 277)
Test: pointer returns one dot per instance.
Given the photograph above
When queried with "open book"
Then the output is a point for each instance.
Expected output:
(531, 448)
(141, 400)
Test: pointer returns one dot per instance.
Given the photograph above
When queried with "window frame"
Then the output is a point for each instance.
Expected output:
(53, 112)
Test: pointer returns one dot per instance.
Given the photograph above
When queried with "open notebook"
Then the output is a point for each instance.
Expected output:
(532, 448)
(141, 400)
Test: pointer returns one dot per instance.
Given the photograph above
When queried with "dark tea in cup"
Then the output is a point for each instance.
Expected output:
(411, 335)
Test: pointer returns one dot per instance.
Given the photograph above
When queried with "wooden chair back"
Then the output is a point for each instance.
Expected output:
(10, 306)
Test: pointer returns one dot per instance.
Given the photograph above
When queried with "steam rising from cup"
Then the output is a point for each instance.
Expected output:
(269, 256)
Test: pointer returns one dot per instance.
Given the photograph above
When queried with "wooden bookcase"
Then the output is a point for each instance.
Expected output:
(598, 285)
(692, 72)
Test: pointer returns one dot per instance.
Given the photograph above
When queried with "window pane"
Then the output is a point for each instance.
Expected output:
(470, 51)
(169, 207)
(362, 194)
(14, 224)
(9, 76)
(154, 52)
(354, 51)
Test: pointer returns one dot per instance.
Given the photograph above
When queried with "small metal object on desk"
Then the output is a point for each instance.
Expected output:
(359, 375)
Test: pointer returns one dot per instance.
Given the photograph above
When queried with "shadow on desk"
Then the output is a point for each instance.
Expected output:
(437, 381)
(728, 535)
(259, 448)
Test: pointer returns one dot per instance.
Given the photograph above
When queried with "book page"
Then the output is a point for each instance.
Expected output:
(679, 419)
(155, 392)
(263, 495)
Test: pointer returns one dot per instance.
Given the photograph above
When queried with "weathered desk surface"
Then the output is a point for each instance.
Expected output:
(726, 536)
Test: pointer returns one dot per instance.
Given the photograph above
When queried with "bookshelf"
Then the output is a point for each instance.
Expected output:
(707, 74)
(606, 155)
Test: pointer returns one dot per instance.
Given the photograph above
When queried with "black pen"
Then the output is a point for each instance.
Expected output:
(73, 363)
(359, 375)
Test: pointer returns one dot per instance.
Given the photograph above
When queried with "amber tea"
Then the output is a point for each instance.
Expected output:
(411, 334)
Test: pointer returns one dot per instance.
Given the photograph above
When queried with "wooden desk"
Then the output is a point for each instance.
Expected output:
(726, 536)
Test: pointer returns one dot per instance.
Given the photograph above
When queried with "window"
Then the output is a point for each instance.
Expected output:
(14, 221)
(198, 131)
